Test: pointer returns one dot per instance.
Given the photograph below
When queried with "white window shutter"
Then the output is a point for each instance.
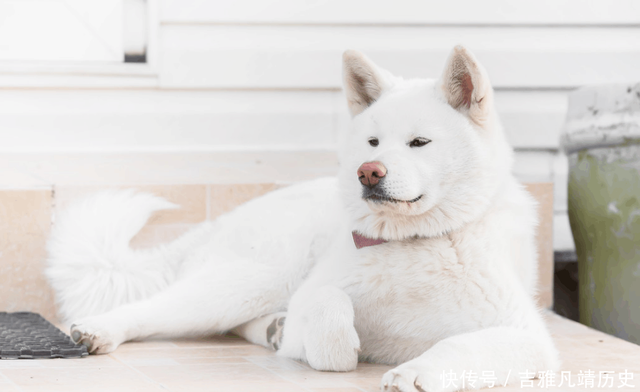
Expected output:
(61, 30)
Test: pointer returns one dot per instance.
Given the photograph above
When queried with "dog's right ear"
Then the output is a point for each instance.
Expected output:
(363, 81)
(466, 86)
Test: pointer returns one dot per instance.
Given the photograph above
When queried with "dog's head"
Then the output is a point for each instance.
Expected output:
(423, 157)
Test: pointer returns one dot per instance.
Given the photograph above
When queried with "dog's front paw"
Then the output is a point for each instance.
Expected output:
(412, 377)
(334, 349)
(91, 333)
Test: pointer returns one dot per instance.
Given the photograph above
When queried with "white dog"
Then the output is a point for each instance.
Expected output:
(421, 253)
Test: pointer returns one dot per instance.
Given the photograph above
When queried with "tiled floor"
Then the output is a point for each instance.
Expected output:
(228, 363)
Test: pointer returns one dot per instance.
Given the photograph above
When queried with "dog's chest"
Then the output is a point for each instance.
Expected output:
(409, 295)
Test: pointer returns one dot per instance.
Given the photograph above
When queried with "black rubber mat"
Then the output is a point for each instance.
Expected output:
(25, 335)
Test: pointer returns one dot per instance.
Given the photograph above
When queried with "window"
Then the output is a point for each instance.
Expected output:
(73, 31)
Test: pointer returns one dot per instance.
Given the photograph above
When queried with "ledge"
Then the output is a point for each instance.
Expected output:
(76, 75)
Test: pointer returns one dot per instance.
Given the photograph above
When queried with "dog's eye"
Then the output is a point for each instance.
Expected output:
(419, 142)
(373, 142)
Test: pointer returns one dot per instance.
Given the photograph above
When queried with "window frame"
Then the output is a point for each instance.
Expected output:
(68, 74)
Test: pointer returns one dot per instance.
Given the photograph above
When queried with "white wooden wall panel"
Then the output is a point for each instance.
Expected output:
(543, 12)
(534, 166)
(562, 237)
(561, 180)
(215, 56)
(213, 120)
(532, 119)
(160, 120)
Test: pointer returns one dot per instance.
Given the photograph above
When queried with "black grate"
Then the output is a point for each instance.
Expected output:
(25, 335)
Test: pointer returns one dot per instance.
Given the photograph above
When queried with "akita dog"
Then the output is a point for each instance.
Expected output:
(421, 253)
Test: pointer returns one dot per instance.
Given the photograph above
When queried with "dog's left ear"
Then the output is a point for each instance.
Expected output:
(364, 82)
(466, 86)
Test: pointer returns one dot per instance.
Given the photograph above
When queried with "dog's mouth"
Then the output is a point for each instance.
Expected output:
(386, 199)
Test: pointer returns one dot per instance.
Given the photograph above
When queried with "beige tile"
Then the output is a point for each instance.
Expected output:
(217, 341)
(300, 373)
(130, 356)
(235, 377)
(367, 376)
(202, 361)
(136, 363)
(337, 389)
(583, 348)
(241, 386)
(134, 347)
(25, 221)
(314, 379)
(212, 341)
(7, 386)
(81, 380)
(276, 363)
(91, 361)
(20, 364)
(10, 388)
(543, 193)
(153, 235)
(192, 200)
(224, 198)
(368, 384)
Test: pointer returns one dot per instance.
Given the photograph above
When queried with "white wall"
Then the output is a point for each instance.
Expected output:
(255, 74)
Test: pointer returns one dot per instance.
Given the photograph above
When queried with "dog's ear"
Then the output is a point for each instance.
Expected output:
(363, 81)
(466, 86)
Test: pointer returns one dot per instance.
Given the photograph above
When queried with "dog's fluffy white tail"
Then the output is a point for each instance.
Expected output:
(90, 265)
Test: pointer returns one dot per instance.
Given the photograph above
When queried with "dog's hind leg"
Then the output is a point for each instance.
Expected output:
(265, 331)
(211, 301)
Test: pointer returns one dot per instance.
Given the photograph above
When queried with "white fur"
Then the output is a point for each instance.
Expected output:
(100, 250)
(453, 289)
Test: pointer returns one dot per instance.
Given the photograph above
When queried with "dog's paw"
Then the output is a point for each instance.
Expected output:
(334, 350)
(411, 377)
(97, 339)
(398, 380)
(274, 332)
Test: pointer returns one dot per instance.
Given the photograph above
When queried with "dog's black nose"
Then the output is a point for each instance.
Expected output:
(370, 173)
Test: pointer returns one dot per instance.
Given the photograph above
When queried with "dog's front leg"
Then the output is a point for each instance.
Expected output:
(493, 356)
(319, 329)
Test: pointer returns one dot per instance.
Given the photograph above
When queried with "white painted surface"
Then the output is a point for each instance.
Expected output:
(562, 237)
(456, 12)
(72, 120)
(257, 56)
(135, 28)
(164, 120)
(57, 30)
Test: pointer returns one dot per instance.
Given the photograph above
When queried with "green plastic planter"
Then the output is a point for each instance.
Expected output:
(602, 142)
